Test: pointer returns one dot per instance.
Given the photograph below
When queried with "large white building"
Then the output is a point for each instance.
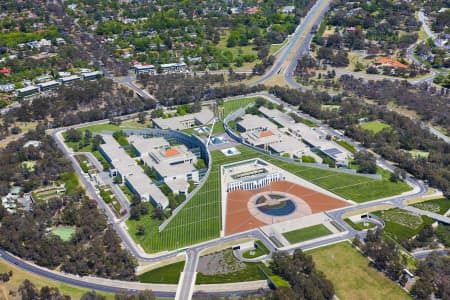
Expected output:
(132, 174)
(313, 136)
(260, 132)
(174, 165)
(204, 117)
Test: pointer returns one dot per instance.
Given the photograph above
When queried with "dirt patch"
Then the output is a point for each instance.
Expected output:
(222, 262)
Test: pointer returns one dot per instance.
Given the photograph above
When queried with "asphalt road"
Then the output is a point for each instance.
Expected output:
(314, 16)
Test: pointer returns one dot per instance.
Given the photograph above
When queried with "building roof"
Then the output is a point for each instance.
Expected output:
(48, 83)
(277, 116)
(69, 78)
(265, 133)
(289, 145)
(144, 145)
(144, 67)
(5, 70)
(133, 173)
(177, 184)
(253, 122)
(204, 117)
(390, 62)
(171, 152)
(27, 89)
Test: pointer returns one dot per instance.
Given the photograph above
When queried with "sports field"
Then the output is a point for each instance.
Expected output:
(307, 233)
(352, 276)
(375, 126)
(200, 219)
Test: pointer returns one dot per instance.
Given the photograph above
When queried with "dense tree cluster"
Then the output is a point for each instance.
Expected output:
(434, 278)
(382, 21)
(28, 291)
(175, 89)
(430, 103)
(384, 253)
(299, 270)
(429, 237)
(81, 102)
(94, 249)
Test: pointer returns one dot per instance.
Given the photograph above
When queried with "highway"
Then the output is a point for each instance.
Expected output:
(301, 35)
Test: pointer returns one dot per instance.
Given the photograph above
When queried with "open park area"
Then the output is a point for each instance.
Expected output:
(352, 276)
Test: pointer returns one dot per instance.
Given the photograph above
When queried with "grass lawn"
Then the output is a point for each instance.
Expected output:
(64, 232)
(253, 253)
(218, 128)
(19, 276)
(330, 107)
(200, 219)
(307, 233)
(100, 127)
(346, 145)
(352, 276)
(419, 154)
(374, 126)
(233, 105)
(401, 225)
(360, 225)
(166, 274)
(439, 206)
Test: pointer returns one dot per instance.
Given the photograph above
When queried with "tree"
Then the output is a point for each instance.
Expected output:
(73, 135)
(140, 230)
(142, 117)
(28, 291)
(96, 142)
(117, 179)
(366, 162)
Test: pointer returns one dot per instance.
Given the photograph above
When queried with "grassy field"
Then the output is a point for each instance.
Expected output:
(166, 274)
(233, 105)
(352, 276)
(418, 153)
(200, 219)
(253, 253)
(374, 126)
(307, 233)
(439, 206)
(359, 226)
(402, 225)
(19, 276)
(346, 145)
(64, 232)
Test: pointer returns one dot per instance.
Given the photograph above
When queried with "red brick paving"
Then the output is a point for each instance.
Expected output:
(238, 217)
